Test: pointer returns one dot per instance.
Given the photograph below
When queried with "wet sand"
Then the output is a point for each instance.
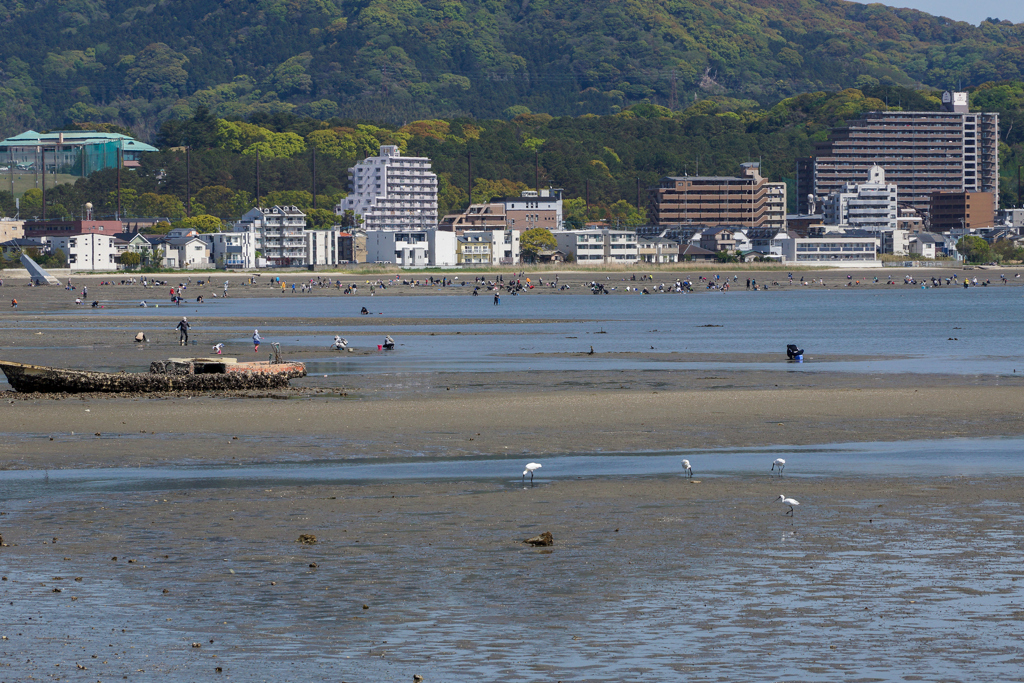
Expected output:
(650, 578)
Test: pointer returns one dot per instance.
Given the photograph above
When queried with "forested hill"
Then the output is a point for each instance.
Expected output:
(140, 62)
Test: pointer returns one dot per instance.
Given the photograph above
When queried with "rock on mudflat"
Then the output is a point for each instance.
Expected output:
(545, 539)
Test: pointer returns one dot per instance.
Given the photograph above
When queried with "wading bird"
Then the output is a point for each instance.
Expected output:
(790, 502)
(780, 464)
(530, 467)
(686, 468)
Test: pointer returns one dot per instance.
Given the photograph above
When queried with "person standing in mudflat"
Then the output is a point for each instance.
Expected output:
(256, 339)
(183, 328)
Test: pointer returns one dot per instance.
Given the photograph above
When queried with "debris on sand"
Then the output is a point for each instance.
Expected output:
(307, 539)
(545, 539)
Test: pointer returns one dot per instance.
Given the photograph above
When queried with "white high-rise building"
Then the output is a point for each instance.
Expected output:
(869, 205)
(392, 192)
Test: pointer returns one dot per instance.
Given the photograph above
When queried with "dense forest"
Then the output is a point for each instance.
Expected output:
(603, 158)
(138, 63)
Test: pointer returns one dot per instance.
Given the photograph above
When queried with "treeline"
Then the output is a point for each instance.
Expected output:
(139, 63)
(600, 158)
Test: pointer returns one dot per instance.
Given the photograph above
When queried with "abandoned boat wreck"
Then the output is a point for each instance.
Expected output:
(174, 374)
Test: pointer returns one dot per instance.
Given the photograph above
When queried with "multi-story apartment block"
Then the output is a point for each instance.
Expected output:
(923, 152)
(950, 210)
(747, 200)
(867, 205)
(392, 192)
(600, 245)
(278, 234)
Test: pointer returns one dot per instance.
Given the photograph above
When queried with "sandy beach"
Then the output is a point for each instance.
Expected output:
(651, 577)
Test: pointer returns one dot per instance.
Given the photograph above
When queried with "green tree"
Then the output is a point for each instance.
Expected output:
(202, 223)
(536, 240)
(320, 219)
(32, 203)
(975, 249)
(151, 204)
(131, 260)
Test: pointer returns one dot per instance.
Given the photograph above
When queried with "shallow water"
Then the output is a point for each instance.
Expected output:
(944, 330)
(949, 457)
(911, 581)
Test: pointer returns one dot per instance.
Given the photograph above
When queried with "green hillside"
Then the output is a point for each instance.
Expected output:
(138, 63)
(606, 155)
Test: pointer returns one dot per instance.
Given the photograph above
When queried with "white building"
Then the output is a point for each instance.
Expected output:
(503, 245)
(278, 234)
(599, 245)
(232, 249)
(86, 251)
(831, 249)
(869, 206)
(412, 248)
(392, 192)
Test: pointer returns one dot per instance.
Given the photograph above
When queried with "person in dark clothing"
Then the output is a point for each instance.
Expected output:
(183, 328)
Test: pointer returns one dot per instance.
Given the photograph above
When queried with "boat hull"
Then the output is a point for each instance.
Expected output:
(37, 378)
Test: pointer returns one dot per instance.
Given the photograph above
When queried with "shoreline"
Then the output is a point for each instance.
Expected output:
(163, 430)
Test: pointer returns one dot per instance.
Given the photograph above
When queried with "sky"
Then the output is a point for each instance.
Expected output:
(975, 12)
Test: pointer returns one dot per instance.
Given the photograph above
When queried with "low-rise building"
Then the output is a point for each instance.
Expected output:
(232, 249)
(352, 246)
(533, 209)
(831, 249)
(181, 249)
(657, 250)
(11, 229)
(476, 217)
(411, 248)
(86, 251)
(599, 245)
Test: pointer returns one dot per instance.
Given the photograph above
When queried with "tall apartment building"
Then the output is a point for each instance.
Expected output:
(923, 152)
(392, 192)
(747, 201)
(867, 205)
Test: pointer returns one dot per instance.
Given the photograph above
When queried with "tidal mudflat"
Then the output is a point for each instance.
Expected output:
(901, 430)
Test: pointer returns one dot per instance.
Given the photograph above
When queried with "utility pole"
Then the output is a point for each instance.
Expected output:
(120, 156)
(588, 193)
(188, 181)
(314, 176)
(42, 151)
(536, 172)
(469, 166)
(638, 193)
(257, 178)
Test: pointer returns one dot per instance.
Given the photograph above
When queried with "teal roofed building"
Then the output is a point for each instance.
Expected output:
(71, 152)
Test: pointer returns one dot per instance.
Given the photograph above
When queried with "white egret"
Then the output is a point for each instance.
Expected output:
(790, 502)
(780, 464)
(530, 467)
(686, 468)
